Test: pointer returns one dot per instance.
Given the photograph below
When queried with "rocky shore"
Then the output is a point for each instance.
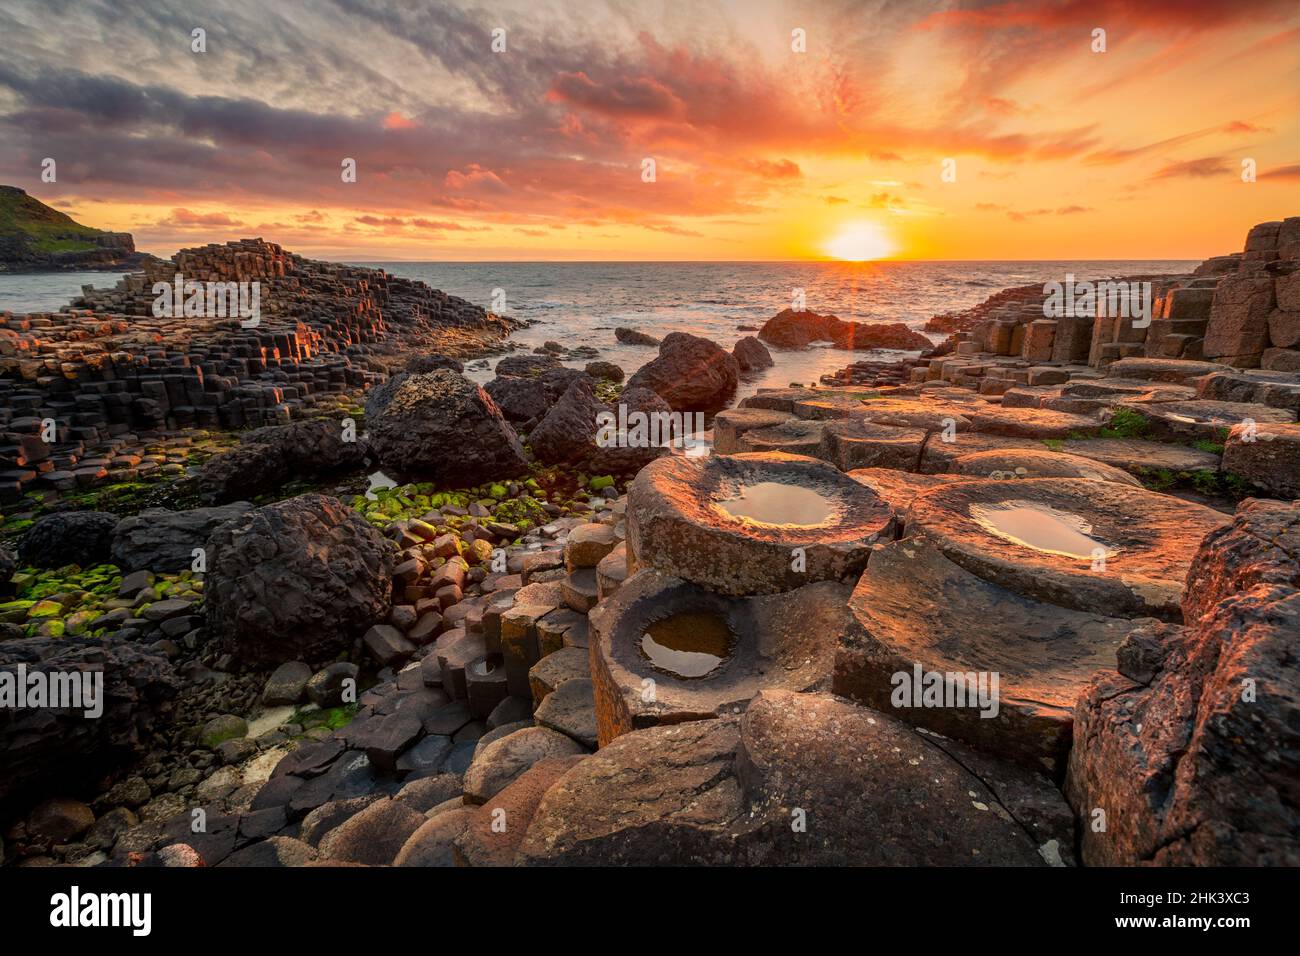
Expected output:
(1030, 598)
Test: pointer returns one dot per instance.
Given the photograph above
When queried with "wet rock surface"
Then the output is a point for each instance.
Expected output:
(1097, 546)
(765, 641)
(685, 517)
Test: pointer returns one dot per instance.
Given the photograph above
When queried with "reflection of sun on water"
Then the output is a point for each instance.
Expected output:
(858, 242)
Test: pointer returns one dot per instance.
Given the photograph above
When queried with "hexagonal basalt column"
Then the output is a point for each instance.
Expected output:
(925, 629)
(753, 524)
(1094, 546)
(664, 650)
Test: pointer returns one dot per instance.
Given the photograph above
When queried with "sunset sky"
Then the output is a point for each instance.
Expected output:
(761, 152)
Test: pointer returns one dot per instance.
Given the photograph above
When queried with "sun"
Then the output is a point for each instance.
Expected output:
(858, 242)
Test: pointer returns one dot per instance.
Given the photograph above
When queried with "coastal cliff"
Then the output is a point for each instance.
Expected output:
(36, 238)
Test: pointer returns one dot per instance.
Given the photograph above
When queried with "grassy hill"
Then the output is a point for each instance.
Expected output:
(35, 237)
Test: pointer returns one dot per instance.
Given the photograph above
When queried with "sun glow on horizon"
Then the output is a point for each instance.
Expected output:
(860, 242)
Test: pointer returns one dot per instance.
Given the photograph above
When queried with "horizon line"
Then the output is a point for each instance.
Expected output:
(842, 262)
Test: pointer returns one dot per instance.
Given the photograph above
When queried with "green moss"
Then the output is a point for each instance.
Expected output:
(1126, 423)
(1055, 444)
(45, 608)
(1204, 444)
(331, 718)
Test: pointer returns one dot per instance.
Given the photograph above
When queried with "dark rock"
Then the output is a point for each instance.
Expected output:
(527, 399)
(385, 738)
(509, 711)
(796, 330)
(690, 374)
(781, 784)
(160, 540)
(635, 337)
(59, 820)
(267, 457)
(327, 685)
(751, 355)
(8, 565)
(606, 370)
(526, 366)
(329, 816)
(277, 851)
(287, 684)
(420, 364)
(387, 645)
(568, 431)
(70, 537)
(442, 427)
(47, 749)
(295, 580)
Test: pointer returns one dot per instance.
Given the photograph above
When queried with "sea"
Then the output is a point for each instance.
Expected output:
(581, 303)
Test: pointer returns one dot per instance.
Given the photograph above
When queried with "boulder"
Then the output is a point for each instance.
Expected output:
(83, 538)
(528, 398)
(635, 337)
(47, 749)
(604, 370)
(625, 455)
(567, 433)
(442, 427)
(377, 398)
(795, 330)
(1189, 753)
(797, 779)
(419, 364)
(59, 820)
(267, 457)
(287, 685)
(750, 354)
(160, 540)
(690, 374)
(526, 366)
(295, 580)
